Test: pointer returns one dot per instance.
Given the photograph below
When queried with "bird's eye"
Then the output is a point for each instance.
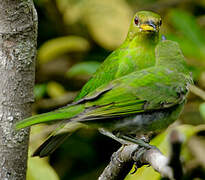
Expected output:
(160, 22)
(136, 20)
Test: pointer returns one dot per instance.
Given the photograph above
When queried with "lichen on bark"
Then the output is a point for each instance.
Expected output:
(18, 35)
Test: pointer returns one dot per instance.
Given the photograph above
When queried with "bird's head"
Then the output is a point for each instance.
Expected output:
(145, 24)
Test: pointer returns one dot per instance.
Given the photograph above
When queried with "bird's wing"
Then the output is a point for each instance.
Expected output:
(104, 74)
(142, 91)
(158, 87)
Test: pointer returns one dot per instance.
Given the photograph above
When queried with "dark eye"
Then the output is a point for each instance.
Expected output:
(136, 20)
(160, 22)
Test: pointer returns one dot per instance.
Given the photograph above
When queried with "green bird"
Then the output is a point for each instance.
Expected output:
(135, 54)
(140, 103)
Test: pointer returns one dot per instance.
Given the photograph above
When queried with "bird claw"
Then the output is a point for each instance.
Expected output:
(137, 165)
(135, 170)
(137, 156)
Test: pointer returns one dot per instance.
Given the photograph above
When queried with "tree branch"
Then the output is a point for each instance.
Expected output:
(123, 160)
(18, 34)
(120, 164)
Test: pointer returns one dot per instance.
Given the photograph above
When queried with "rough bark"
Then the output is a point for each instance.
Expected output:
(18, 34)
(120, 164)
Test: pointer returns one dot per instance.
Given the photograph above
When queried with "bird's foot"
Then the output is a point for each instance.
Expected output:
(136, 156)
(116, 155)
(138, 141)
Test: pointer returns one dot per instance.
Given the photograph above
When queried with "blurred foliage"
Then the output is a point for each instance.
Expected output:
(55, 89)
(39, 168)
(75, 36)
(202, 110)
(83, 69)
(58, 46)
(95, 15)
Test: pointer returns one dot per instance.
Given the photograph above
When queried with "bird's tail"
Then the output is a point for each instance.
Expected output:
(50, 145)
(65, 113)
(57, 138)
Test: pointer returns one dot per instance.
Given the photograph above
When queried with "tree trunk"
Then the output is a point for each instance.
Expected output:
(18, 34)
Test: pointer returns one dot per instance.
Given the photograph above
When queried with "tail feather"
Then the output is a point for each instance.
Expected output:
(57, 138)
(50, 145)
(60, 114)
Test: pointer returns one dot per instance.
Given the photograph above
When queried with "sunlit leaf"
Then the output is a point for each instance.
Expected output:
(108, 21)
(39, 169)
(85, 68)
(58, 46)
(72, 10)
(144, 173)
(55, 89)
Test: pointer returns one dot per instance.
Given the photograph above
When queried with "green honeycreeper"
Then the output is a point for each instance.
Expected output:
(139, 90)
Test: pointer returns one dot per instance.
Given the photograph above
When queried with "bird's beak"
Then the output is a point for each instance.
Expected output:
(149, 26)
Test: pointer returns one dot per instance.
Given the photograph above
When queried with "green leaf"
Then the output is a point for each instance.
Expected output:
(187, 24)
(72, 10)
(187, 46)
(192, 35)
(39, 91)
(59, 46)
(202, 110)
(55, 89)
(83, 69)
(39, 169)
(107, 21)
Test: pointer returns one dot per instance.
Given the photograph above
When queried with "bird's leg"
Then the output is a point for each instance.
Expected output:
(140, 142)
(124, 139)
(136, 155)
(144, 137)
(143, 147)
(111, 135)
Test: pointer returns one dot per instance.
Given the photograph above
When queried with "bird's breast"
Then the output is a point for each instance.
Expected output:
(144, 123)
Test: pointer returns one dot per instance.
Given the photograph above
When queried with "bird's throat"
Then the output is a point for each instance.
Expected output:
(147, 39)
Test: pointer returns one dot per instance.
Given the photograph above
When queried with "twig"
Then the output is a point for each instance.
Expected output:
(197, 91)
(120, 164)
(124, 158)
(158, 161)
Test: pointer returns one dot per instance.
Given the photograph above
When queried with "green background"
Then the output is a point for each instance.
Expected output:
(74, 37)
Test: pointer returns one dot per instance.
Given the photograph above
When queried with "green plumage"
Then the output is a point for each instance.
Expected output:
(139, 89)
(136, 53)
